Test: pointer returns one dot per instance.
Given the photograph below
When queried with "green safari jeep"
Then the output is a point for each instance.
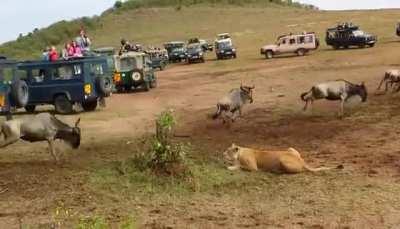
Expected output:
(133, 70)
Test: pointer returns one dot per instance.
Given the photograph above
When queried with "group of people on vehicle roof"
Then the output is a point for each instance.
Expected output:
(76, 48)
(127, 47)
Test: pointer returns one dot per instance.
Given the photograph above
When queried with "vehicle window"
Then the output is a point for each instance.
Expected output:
(308, 39)
(358, 33)
(96, 69)
(38, 75)
(67, 72)
(283, 41)
(301, 40)
(292, 41)
(127, 64)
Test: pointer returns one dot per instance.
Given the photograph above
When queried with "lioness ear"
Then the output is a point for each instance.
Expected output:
(77, 122)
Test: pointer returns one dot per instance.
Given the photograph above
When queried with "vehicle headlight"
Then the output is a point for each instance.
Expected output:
(117, 77)
(233, 50)
(88, 89)
(201, 54)
(222, 51)
(189, 55)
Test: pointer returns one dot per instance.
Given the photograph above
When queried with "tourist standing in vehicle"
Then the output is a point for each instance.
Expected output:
(68, 51)
(125, 46)
(83, 41)
(53, 54)
(45, 54)
(77, 49)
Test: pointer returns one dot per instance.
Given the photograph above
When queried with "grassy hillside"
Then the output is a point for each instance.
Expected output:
(150, 21)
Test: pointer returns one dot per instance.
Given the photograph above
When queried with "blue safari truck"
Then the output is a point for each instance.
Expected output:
(65, 83)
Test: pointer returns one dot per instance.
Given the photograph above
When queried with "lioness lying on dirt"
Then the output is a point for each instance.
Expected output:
(288, 161)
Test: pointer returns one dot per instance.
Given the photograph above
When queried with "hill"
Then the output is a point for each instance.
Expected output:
(147, 21)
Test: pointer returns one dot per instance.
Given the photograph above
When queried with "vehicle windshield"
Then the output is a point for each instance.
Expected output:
(224, 45)
(178, 49)
(127, 64)
(194, 49)
(96, 69)
(358, 33)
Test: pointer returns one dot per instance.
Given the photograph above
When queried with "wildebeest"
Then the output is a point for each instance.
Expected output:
(335, 90)
(390, 78)
(41, 127)
(233, 102)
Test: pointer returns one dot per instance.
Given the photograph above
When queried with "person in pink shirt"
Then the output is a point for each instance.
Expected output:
(68, 51)
(77, 49)
(53, 55)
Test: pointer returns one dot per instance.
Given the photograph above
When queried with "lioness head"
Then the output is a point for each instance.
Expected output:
(232, 153)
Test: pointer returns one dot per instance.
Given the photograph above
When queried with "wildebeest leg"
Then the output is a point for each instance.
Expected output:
(235, 114)
(9, 136)
(380, 84)
(52, 149)
(342, 100)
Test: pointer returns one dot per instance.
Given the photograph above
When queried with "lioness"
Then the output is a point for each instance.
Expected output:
(288, 161)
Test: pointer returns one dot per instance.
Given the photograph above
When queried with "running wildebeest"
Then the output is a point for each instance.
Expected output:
(390, 78)
(335, 90)
(41, 127)
(233, 102)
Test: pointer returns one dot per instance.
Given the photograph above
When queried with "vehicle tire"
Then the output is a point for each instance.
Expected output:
(269, 54)
(234, 56)
(146, 86)
(127, 88)
(371, 45)
(90, 106)
(103, 86)
(62, 104)
(336, 47)
(203, 60)
(30, 108)
(346, 47)
(153, 84)
(20, 93)
(301, 52)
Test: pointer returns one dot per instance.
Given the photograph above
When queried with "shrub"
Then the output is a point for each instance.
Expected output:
(163, 156)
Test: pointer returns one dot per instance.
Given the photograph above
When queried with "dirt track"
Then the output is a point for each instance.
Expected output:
(365, 141)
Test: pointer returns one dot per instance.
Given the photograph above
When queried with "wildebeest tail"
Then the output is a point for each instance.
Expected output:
(217, 113)
(303, 96)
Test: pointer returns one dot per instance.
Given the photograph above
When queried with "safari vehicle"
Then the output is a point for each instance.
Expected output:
(203, 43)
(299, 44)
(159, 58)
(65, 83)
(195, 53)
(176, 51)
(133, 70)
(224, 49)
(346, 35)
(14, 92)
(398, 29)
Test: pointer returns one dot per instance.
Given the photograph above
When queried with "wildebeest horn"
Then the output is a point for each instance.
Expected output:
(77, 122)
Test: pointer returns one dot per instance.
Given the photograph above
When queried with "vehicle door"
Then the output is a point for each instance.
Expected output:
(283, 45)
(68, 79)
(38, 85)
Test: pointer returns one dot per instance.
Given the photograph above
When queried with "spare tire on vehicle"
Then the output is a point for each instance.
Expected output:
(20, 93)
(104, 86)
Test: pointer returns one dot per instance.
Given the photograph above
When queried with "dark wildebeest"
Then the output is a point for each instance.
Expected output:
(233, 102)
(390, 78)
(41, 127)
(335, 90)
